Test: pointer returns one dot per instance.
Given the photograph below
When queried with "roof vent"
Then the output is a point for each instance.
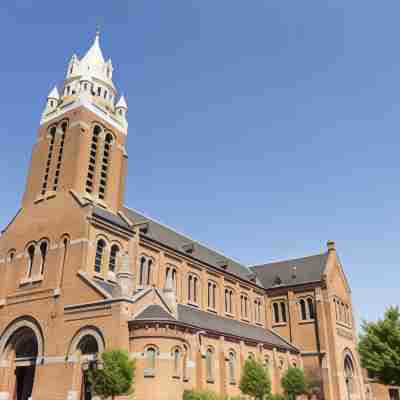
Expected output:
(222, 264)
(294, 272)
(252, 277)
(188, 248)
(143, 227)
(277, 280)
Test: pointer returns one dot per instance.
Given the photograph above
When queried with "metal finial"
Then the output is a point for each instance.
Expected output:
(97, 30)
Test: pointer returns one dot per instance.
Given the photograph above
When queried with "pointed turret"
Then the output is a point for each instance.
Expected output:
(52, 101)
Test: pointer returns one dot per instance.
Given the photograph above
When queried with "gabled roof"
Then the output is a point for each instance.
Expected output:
(170, 238)
(292, 272)
(189, 316)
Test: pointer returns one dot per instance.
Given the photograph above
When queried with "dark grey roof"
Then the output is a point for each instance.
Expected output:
(210, 322)
(112, 289)
(292, 272)
(154, 312)
(110, 217)
(177, 241)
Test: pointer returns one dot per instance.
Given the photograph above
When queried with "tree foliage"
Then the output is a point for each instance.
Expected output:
(294, 382)
(255, 381)
(205, 395)
(116, 376)
(379, 347)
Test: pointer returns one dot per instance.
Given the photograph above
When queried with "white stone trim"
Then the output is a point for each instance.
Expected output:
(72, 395)
(91, 107)
(78, 241)
(4, 395)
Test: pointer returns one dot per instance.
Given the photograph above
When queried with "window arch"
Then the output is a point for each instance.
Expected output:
(52, 136)
(303, 310)
(229, 300)
(232, 367)
(349, 376)
(114, 254)
(177, 356)
(151, 353)
(210, 364)
(193, 288)
(43, 247)
(11, 256)
(310, 308)
(64, 126)
(100, 248)
(279, 312)
(31, 258)
(275, 307)
(283, 311)
(109, 139)
(258, 310)
(212, 295)
(145, 270)
(244, 306)
(170, 272)
(90, 179)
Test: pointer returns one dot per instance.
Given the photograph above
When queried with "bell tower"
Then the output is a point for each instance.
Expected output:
(80, 147)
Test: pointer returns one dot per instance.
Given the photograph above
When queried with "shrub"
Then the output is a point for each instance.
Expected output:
(255, 381)
(294, 382)
(277, 397)
(116, 376)
(205, 395)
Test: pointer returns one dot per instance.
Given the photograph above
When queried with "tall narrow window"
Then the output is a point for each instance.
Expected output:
(43, 253)
(105, 166)
(149, 265)
(64, 126)
(228, 301)
(65, 243)
(142, 271)
(283, 311)
(303, 310)
(177, 362)
(275, 307)
(31, 259)
(113, 258)
(310, 307)
(52, 134)
(212, 289)
(232, 368)
(193, 283)
(209, 365)
(150, 361)
(90, 179)
(184, 363)
(101, 244)
(257, 310)
(244, 302)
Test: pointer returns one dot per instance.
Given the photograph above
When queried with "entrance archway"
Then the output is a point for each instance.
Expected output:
(349, 376)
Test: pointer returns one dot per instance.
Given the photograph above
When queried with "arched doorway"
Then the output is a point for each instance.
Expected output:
(88, 348)
(21, 350)
(349, 376)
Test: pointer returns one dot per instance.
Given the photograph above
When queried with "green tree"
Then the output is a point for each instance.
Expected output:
(116, 376)
(255, 381)
(294, 382)
(379, 347)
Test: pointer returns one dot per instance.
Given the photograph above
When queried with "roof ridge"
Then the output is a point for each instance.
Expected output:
(289, 260)
(188, 237)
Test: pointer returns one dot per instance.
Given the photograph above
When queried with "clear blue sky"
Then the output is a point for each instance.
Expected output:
(262, 128)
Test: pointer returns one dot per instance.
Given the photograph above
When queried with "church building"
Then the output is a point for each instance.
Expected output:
(82, 272)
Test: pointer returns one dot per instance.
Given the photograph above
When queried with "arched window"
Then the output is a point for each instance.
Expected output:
(101, 244)
(52, 134)
(244, 305)
(193, 288)
(170, 272)
(210, 365)
(90, 179)
(43, 253)
(105, 165)
(303, 310)
(257, 310)
(185, 362)
(113, 258)
(212, 295)
(64, 126)
(177, 362)
(349, 376)
(229, 301)
(65, 243)
(88, 345)
(310, 308)
(11, 256)
(145, 271)
(283, 311)
(232, 367)
(151, 354)
(275, 307)
(31, 259)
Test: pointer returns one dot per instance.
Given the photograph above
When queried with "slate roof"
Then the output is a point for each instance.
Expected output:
(110, 217)
(167, 236)
(292, 272)
(210, 322)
